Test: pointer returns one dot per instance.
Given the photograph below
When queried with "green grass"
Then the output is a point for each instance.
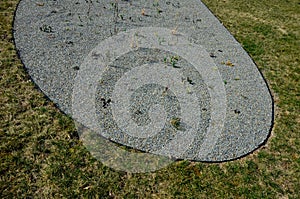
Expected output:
(42, 157)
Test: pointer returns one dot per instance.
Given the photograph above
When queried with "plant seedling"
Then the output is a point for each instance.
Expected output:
(46, 28)
(190, 81)
(229, 63)
(175, 122)
(173, 60)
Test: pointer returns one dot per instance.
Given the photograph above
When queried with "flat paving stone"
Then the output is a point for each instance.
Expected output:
(163, 77)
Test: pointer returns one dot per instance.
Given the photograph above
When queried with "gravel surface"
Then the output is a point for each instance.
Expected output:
(164, 77)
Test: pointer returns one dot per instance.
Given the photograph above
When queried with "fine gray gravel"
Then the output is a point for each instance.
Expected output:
(164, 77)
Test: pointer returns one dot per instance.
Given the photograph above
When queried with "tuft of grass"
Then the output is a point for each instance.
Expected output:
(42, 157)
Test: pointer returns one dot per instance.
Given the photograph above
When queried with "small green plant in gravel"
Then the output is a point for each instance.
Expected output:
(173, 61)
(175, 122)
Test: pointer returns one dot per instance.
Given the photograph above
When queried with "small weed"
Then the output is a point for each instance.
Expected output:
(190, 81)
(46, 28)
(174, 30)
(159, 11)
(161, 40)
(212, 55)
(165, 91)
(143, 12)
(175, 122)
(156, 4)
(173, 61)
(105, 103)
(229, 63)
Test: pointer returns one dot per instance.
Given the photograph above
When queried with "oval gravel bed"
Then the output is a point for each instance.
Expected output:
(162, 77)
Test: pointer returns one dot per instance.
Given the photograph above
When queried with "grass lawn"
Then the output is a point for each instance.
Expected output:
(42, 157)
